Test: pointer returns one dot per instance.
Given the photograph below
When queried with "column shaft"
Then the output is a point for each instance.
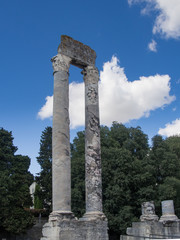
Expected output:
(61, 169)
(92, 142)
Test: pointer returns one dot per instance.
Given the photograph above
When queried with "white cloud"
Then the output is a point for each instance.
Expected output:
(152, 46)
(47, 110)
(120, 99)
(167, 22)
(171, 129)
(76, 104)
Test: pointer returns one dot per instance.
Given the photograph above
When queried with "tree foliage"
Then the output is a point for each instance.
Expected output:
(123, 153)
(14, 186)
(164, 157)
(38, 198)
(174, 145)
(44, 178)
(77, 175)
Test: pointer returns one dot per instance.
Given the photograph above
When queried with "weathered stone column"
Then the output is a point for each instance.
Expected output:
(61, 168)
(92, 144)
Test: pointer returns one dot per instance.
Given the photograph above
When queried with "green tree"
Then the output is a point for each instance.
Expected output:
(124, 151)
(38, 198)
(44, 178)
(174, 145)
(15, 180)
(164, 159)
(78, 174)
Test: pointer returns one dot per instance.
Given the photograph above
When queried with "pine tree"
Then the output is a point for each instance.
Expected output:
(38, 201)
(14, 186)
(44, 179)
(78, 174)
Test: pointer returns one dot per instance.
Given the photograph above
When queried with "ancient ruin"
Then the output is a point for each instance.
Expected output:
(62, 224)
(167, 227)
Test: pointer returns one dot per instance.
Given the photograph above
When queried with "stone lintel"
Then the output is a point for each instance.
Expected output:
(81, 55)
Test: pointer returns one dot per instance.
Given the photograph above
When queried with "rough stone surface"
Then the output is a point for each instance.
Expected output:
(92, 142)
(153, 230)
(81, 55)
(75, 230)
(60, 63)
(148, 212)
(168, 213)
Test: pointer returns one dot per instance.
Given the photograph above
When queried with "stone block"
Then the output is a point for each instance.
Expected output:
(153, 230)
(168, 212)
(75, 229)
(81, 55)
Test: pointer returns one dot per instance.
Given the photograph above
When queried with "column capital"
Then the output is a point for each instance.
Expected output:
(90, 74)
(61, 63)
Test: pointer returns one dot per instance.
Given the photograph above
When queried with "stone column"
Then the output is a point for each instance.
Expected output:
(92, 144)
(168, 214)
(61, 169)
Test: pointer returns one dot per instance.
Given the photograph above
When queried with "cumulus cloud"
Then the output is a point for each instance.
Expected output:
(167, 22)
(171, 129)
(47, 110)
(76, 104)
(152, 46)
(120, 99)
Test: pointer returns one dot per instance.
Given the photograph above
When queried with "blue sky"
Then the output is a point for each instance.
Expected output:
(138, 49)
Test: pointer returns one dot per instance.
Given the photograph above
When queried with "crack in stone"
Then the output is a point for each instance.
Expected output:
(64, 134)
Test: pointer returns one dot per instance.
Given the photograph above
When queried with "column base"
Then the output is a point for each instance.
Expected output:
(60, 216)
(88, 216)
(64, 226)
(168, 218)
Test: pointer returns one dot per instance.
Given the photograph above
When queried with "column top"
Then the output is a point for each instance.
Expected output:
(81, 55)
